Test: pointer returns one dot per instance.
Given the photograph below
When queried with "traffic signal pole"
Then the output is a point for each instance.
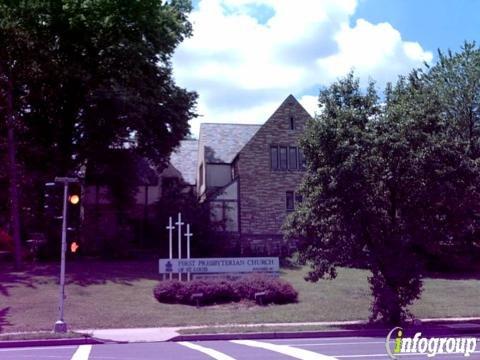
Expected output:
(60, 325)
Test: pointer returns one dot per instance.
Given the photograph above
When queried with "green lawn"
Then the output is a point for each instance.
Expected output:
(119, 294)
(254, 329)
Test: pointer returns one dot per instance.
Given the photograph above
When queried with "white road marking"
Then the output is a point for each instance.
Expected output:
(82, 353)
(210, 352)
(285, 350)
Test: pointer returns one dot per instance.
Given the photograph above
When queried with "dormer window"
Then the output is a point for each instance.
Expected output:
(292, 123)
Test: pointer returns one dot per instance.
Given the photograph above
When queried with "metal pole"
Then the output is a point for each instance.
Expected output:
(170, 235)
(60, 325)
(188, 247)
(179, 223)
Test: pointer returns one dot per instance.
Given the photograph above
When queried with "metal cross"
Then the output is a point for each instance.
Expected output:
(170, 228)
(179, 223)
(188, 234)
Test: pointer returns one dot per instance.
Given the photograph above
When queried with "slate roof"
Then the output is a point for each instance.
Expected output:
(223, 141)
(184, 159)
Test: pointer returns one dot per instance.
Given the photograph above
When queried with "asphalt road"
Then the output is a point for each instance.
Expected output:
(285, 349)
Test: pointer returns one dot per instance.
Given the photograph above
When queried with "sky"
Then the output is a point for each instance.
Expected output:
(246, 56)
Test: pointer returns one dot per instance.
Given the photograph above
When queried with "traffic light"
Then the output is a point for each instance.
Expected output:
(73, 216)
(74, 206)
(74, 247)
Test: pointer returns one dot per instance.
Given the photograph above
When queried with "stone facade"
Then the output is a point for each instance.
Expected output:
(262, 190)
(253, 169)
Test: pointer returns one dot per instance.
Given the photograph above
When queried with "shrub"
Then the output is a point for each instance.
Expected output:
(168, 291)
(277, 291)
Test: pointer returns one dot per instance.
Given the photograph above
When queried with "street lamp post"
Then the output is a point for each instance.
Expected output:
(60, 325)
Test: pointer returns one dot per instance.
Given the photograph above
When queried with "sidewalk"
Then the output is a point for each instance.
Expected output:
(438, 326)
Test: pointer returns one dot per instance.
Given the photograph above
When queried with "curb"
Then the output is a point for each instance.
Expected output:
(437, 330)
(431, 331)
(278, 335)
(49, 342)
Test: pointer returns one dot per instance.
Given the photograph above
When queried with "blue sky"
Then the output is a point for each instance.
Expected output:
(246, 56)
(443, 24)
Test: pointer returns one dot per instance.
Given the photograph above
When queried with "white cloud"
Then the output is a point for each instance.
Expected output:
(243, 67)
(375, 51)
(310, 103)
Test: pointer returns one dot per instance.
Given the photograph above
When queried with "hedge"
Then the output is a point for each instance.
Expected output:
(277, 291)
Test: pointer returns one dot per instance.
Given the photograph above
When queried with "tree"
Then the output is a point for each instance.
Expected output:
(17, 67)
(383, 182)
(456, 80)
(107, 83)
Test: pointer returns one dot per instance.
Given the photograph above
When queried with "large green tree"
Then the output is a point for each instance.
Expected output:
(386, 183)
(455, 78)
(17, 68)
(103, 81)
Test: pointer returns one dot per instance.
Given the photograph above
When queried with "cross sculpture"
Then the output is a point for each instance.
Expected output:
(170, 228)
(188, 235)
(179, 223)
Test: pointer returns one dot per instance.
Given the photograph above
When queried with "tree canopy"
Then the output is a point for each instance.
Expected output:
(86, 77)
(392, 183)
(108, 79)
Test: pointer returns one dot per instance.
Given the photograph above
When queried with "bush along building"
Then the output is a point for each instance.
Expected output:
(249, 175)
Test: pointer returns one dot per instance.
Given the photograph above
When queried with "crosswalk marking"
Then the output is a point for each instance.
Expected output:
(82, 353)
(285, 349)
(210, 352)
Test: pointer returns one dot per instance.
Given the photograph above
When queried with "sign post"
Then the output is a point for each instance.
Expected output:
(170, 228)
(188, 234)
(60, 325)
(212, 267)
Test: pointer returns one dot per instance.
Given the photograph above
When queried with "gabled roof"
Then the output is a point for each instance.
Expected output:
(184, 159)
(222, 142)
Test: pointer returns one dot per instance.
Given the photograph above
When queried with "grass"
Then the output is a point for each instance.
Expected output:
(255, 329)
(119, 294)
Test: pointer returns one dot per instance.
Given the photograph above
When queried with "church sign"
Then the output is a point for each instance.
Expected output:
(220, 265)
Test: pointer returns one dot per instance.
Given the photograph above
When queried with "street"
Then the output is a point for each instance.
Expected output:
(279, 349)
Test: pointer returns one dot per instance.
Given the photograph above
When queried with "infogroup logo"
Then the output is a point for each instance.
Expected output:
(427, 346)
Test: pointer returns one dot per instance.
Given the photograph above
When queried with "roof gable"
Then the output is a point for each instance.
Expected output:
(222, 142)
(184, 159)
(280, 120)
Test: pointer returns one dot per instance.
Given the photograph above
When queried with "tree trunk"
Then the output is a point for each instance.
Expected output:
(13, 177)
